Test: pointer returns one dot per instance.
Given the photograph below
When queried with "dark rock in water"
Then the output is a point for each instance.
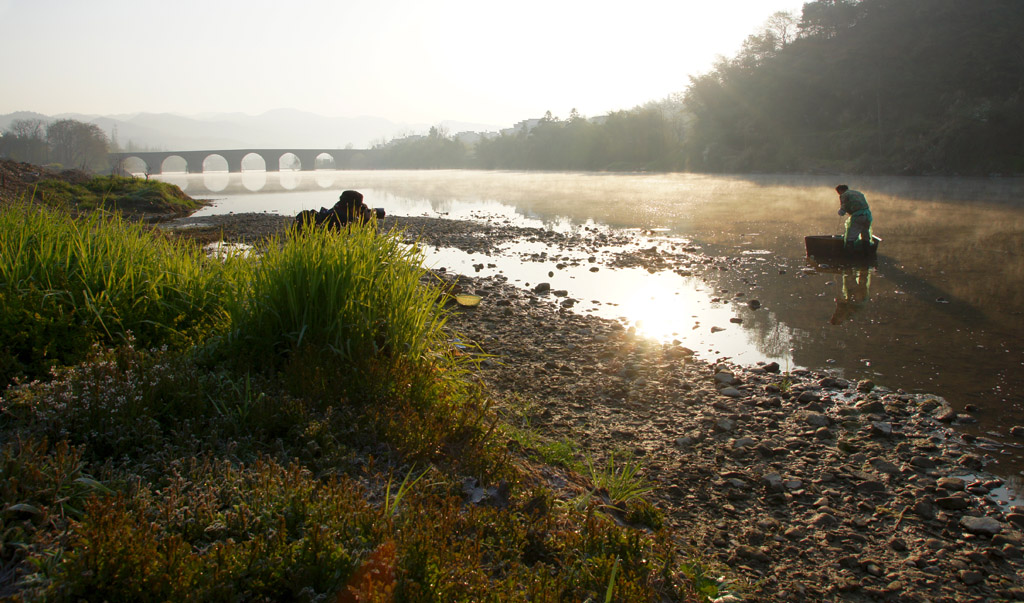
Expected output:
(754, 304)
(542, 288)
(772, 367)
(1017, 431)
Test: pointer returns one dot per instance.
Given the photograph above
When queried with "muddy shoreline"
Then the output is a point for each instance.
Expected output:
(810, 488)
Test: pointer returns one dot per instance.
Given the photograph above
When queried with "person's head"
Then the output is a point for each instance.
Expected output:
(842, 188)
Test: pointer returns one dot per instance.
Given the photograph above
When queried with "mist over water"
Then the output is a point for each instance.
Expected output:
(940, 312)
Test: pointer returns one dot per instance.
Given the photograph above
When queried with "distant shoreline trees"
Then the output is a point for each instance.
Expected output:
(874, 86)
(66, 142)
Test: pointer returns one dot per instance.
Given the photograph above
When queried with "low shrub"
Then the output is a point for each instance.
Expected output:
(42, 488)
(214, 531)
(118, 402)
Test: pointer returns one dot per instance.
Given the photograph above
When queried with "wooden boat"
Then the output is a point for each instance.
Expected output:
(833, 246)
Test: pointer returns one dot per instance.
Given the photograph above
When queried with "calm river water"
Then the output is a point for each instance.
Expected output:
(940, 312)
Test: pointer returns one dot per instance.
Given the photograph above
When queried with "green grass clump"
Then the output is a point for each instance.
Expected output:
(621, 480)
(356, 297)
(66, 284)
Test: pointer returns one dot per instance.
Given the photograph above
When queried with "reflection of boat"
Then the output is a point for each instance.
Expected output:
(832, 246)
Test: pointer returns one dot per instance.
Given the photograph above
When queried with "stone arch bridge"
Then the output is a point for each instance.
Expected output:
(154, 160)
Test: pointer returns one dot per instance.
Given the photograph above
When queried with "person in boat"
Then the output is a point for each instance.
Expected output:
(858, 224)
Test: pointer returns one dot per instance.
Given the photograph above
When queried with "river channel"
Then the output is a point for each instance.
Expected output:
(941, 311)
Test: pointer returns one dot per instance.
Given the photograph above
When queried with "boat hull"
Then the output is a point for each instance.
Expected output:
(833, 246)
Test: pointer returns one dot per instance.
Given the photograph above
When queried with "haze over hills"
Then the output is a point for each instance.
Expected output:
(277, 128)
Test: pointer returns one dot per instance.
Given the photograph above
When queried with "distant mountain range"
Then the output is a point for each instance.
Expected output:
(273, 129)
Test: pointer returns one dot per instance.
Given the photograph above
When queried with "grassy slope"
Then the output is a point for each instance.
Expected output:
(77, 191)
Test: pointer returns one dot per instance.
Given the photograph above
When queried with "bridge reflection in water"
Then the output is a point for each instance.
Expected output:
(227, 183)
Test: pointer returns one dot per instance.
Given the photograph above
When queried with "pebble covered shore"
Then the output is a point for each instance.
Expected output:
(808, 487)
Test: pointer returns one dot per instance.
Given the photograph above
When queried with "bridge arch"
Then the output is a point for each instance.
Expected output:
(253, 161)
(132, 165)
(172, 163)
(214, 162)
(290, 161)
(324, 161)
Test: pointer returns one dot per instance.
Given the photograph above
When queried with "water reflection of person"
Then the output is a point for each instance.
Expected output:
(856, 286)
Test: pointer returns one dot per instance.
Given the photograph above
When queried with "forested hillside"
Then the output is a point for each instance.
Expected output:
(869, 86)
(890, 86)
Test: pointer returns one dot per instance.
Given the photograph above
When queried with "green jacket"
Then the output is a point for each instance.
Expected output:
(853, 202)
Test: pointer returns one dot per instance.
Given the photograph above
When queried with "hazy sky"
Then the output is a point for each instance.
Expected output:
(414, 61)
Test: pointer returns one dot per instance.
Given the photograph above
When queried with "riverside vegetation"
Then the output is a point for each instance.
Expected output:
(299, 427)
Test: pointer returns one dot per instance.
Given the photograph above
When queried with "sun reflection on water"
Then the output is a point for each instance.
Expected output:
(663, 306)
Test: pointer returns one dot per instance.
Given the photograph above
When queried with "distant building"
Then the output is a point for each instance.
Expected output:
(469, 138)
(526, 126)
(402, 140)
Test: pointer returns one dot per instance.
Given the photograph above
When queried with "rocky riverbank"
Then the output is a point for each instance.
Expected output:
(810, 488)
